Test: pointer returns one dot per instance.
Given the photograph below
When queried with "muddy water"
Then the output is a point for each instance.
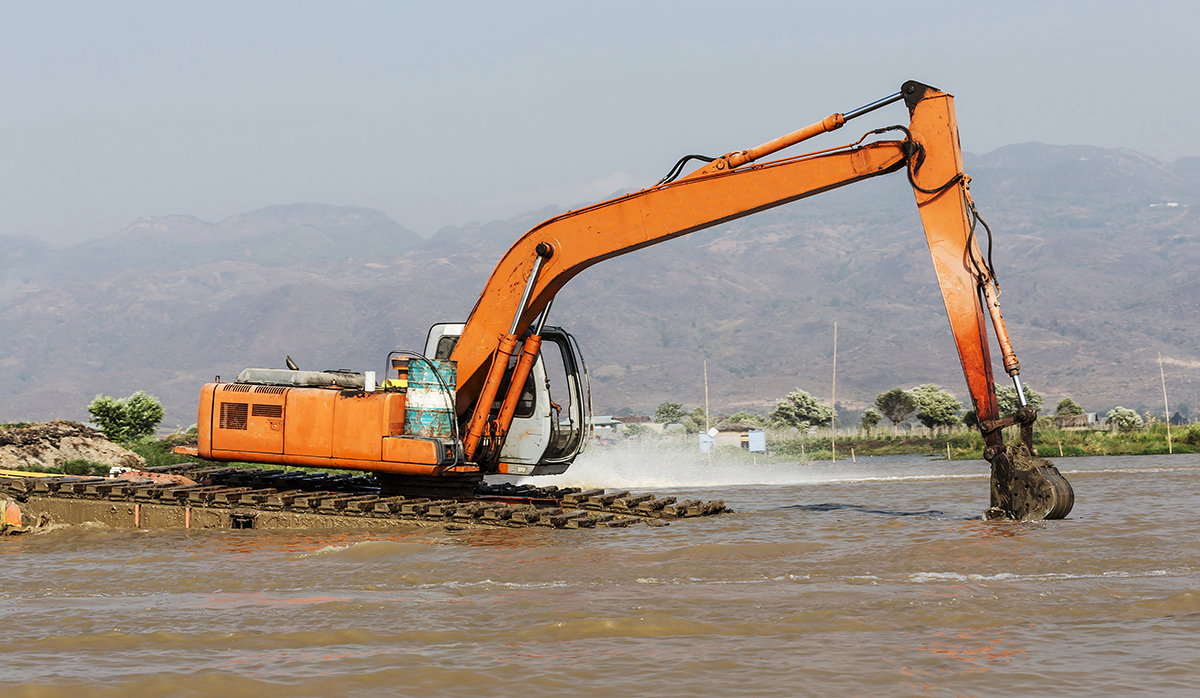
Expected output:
(873, 578)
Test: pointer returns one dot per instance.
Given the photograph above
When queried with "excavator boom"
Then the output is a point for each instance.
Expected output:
(591, 235)
(534, 269)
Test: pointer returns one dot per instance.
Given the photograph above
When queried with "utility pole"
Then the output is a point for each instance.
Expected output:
(706, 426)
(1166, 407)
(833, 399)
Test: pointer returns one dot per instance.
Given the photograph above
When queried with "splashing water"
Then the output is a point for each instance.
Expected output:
(673, 464)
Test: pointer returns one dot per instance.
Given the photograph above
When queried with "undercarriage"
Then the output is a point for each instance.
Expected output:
(203, 496)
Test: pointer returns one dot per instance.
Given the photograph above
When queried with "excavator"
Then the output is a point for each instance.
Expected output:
(478, 400)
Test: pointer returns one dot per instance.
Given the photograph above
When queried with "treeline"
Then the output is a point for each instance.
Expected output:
(929, 404)
(1125, 437)
(798, 409)
(967, 444)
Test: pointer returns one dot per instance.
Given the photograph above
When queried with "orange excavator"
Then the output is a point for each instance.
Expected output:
(481, 398)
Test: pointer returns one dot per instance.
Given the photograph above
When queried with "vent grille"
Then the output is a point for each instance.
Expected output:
(268, 411)
(270, 389)
(237, 387)
(233, 415)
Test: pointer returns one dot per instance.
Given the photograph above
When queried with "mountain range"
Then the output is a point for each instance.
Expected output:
(1095, 250)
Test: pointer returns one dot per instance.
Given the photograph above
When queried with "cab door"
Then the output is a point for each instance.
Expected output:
(551, 432)
(552, 420)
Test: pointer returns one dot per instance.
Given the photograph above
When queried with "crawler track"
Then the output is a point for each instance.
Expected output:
(274, 499)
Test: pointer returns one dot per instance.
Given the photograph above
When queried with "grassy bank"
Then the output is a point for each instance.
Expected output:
(968, 444)
(962, 444)
(162, 451)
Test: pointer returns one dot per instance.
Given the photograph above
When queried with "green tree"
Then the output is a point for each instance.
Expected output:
(1006, 398)
(896, 404)
(1124, 419)
(1067, 406)
(870, 418)
(669, 413)
(694, 422)
(744, 417)
(935, 406)
(801, 410)
(126, 420)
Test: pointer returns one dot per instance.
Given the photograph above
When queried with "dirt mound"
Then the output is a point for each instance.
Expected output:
(51, 444)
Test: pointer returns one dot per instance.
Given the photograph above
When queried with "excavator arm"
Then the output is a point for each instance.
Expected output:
(1023, 485)
(521, 289)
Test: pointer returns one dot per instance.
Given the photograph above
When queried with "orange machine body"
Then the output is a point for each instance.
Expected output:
(317, 427)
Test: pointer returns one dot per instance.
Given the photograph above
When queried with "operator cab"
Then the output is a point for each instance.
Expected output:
(552, 420)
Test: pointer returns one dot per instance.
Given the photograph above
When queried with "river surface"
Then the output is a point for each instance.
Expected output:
(873, 578)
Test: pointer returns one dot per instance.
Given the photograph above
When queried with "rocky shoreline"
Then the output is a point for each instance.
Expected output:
(51, 444)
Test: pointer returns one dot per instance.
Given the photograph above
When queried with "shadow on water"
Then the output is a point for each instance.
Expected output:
(831, 506)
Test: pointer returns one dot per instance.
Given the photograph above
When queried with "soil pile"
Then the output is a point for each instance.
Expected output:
(53, 443)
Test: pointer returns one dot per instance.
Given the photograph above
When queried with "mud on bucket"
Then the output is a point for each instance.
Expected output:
(429, 407)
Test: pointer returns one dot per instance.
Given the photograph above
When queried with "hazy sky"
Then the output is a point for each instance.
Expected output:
(444, 113)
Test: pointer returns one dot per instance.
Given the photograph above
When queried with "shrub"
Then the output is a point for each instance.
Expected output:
(744, 417)
(84, 467)
(801, 410)
(896, 404)
(669, 413)
(1007, 402)
(129, 419)
(695, 421)
(1124, 419)
(161, 451)
(869, 419)
(935, 407)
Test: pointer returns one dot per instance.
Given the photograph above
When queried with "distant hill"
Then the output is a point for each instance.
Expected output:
(276, 236)
(1095, 250)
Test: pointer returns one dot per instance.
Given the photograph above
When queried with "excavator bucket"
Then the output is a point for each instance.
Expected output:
(1027, 487)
